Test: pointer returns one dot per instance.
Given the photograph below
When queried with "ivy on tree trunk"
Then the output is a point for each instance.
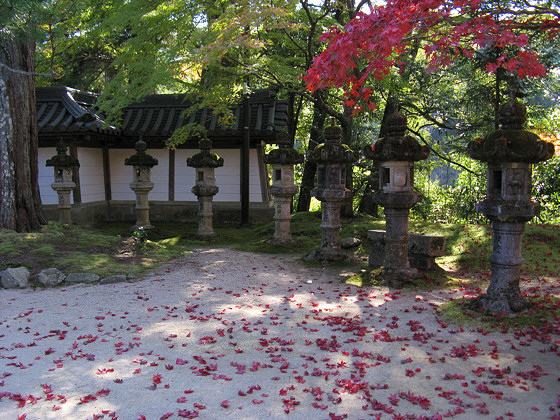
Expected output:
(19, 188)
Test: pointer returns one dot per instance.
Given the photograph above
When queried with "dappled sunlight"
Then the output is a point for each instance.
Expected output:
(221, 329)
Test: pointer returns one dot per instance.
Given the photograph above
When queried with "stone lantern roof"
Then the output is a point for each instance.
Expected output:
(141, 158)
(397, 146)
(61, 159)
(511, 143)
(205, 158)
(284, 155)
(332, 151)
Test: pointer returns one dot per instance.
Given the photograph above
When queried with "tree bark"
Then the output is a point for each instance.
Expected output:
(347, 124)
(310, 168)
(19, 189)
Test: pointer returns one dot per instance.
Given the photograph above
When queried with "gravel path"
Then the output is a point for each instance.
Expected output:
(226, 334)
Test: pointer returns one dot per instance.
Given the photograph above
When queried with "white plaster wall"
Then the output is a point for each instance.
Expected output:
(46, 176)
(121, 175)
(92, 184)
(184, 176)
(227, 176)
(159, 175)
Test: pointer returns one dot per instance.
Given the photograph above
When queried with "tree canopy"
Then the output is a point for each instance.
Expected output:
(445, 30)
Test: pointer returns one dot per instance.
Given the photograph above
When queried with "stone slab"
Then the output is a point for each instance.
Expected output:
(422, 249)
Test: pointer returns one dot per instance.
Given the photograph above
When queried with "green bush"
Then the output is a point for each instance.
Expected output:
(546, 189)
(453, 201)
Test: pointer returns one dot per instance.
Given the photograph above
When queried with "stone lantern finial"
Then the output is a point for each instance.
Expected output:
(396, 124)
(333, 133)
(140, 158)
(512, 115)
(62, 159)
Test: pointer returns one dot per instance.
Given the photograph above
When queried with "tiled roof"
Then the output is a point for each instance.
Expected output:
(65, 110)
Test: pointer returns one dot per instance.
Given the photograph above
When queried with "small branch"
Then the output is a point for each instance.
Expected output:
(417, 133)
(293, 41)
(28, 73)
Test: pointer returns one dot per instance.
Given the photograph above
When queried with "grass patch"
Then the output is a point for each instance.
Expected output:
(465, 312)
(110, 249)
(46, 250)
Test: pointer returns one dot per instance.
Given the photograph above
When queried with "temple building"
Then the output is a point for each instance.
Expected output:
(102, 180)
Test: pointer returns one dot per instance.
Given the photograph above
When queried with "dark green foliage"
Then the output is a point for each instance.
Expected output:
(546, 189)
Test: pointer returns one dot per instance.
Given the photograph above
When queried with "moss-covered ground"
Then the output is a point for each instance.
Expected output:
(111, 249)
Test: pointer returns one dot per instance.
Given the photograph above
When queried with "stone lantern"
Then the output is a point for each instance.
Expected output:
(396, 154)
(509, 153)
(283, 189)
(332, 157)
(63, 184)
(205, 189)
(142, 164)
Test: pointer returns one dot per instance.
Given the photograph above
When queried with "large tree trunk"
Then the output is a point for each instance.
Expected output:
(347, 124)
(19, 189)
(310, 168)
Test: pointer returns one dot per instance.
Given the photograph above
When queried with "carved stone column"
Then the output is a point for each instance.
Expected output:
(332, 157)
(63, 184)
(205, 189)
(509, 153)
(142, 164)
(283, 189)
(396, 154)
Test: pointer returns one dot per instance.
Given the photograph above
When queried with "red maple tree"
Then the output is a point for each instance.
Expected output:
(373, 43)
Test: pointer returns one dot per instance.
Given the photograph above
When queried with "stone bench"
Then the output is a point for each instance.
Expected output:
(422, 249)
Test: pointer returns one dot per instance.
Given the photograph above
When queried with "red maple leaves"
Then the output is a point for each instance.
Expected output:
(376, 42)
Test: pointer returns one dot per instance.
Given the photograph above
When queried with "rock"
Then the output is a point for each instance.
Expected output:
(130, 276)
(118, 278)
(14, 278)
(50, 277)
(347, 243)
(82, 278)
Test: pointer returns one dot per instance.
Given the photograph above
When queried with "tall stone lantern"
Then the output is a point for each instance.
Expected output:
(332, 157)
(509, 153)
(205, 189)
(396, 154)
(142, 163)
(63, 184)
(283, 189)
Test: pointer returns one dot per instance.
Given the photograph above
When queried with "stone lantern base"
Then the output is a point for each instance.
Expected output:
(282, 214)
(330, 235)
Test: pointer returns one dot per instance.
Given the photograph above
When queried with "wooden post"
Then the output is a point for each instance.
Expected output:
(171, 192)
(245, 162)
(106, 172)
(77, 192)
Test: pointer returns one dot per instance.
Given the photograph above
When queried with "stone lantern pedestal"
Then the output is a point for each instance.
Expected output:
(396, 153)
(205, 189)
(63, 184)
(283, 189)
(332, 157)
(142, 164)
(509, 153)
